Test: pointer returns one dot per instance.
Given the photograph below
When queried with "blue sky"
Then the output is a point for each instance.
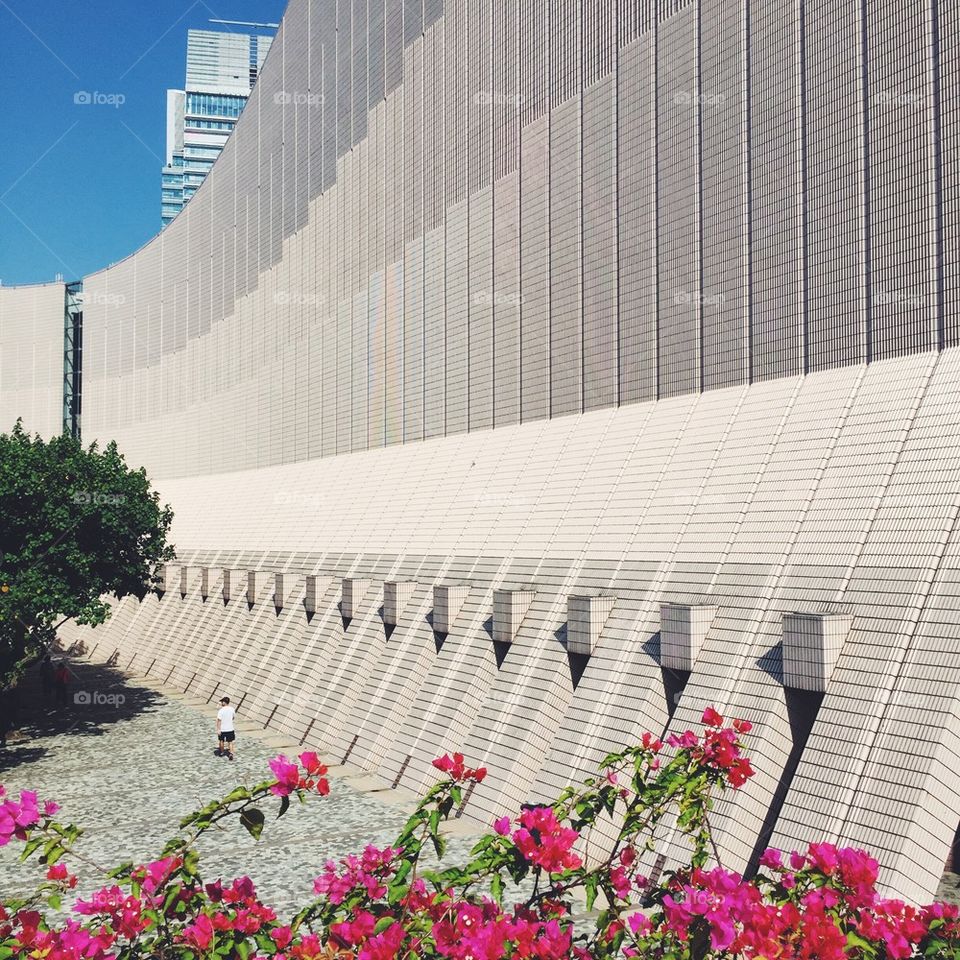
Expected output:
(80, 183)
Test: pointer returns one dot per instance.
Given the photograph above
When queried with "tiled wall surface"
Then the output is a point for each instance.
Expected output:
(31, 357)
(835, 494)
(438, 216)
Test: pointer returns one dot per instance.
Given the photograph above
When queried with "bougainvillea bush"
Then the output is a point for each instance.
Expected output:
(525, 892)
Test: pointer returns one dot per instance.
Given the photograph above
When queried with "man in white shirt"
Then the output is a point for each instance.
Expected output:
(226, 730)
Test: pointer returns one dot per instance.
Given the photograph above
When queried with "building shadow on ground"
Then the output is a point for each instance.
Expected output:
(97, 698)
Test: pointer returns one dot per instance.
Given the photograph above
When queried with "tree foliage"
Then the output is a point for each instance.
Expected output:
(76, 525)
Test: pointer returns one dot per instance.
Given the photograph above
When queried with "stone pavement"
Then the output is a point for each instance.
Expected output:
(128, 768)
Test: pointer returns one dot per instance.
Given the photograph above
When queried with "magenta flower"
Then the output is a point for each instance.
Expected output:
(772, 859)
(287, 774)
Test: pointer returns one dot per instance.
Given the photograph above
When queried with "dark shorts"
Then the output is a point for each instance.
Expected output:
(228, 736)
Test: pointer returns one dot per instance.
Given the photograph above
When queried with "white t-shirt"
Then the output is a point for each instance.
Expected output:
(225, 716)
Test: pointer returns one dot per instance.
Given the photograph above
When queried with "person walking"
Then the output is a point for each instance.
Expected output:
(226, 729)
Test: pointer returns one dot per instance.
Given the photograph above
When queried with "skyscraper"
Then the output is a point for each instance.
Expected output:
(221, 71)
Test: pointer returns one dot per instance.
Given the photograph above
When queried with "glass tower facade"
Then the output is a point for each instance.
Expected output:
(221, 71)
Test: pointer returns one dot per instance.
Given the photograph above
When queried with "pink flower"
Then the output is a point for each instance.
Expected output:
(287, 774)
(772, 859)
(824, 857)
(312, 764)
(649, 742)
(199, 934)
(351, 933)
(58, 873)
(16, 817)
(542, 841)
(620, 882)
(367, 873)
(711, 718)
(384, 946)
(153, 876)
(457, 770)
(502, 826)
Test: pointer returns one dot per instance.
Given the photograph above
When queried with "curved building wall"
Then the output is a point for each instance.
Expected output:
(438, 217)
(31, 357)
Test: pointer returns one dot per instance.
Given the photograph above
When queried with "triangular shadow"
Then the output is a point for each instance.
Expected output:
(771, 662)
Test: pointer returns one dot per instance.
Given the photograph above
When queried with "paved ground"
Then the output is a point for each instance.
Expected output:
(126, 771)
(949, 890)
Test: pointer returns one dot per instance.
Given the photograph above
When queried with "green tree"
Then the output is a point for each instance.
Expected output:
(76, 525)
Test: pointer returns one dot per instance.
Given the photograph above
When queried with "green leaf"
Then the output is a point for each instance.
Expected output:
(238, 793)
(284, 806)
(590, 888)
(382, 924)
(191, 863)
(52, 852)
(253, 820)
(484, 844)
(403, 871)
(30, 847)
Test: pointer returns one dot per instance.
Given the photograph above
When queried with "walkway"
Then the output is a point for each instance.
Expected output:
(127, 769)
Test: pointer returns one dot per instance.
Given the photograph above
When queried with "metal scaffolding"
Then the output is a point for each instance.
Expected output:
(72, 358)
